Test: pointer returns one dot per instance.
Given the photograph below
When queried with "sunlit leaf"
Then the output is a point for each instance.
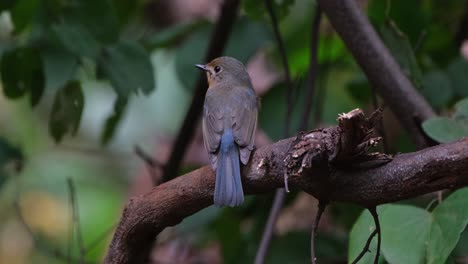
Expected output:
(66, 111)
(21, 73)
(128, 67)
(114, 119)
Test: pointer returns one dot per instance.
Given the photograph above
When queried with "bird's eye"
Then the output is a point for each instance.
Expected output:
(217, 69)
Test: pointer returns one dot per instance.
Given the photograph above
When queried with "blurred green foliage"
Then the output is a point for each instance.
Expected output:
(58, 56)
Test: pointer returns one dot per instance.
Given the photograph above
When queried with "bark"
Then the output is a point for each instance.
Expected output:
(330, 163)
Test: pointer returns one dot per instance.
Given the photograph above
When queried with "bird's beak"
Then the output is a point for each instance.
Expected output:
(201, 67)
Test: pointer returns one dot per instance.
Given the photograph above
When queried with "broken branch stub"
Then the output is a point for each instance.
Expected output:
(343, 147)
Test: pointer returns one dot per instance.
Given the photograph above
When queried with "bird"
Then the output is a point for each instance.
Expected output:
(230, 114)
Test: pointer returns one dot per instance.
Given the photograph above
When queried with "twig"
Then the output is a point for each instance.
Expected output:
(76, 219)
(365, 249)
(278, 202)
(380, 126)
(280, 194)
(371, 54)
(321, 209)
(229, 10)
(373, 211)
(313, 69)
(151, 164)
(284, 61)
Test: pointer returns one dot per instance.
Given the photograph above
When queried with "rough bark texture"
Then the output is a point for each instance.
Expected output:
(380, 67)
(331, 163)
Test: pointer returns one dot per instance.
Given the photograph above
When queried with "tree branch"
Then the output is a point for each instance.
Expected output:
(379, 66)
(218, 41)
(330, 163)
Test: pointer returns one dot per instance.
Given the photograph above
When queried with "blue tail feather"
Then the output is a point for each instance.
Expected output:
(228, 187)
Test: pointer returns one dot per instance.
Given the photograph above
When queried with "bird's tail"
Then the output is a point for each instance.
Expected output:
(228, 187)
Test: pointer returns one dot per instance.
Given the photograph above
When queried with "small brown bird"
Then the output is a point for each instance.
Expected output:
(229, 123)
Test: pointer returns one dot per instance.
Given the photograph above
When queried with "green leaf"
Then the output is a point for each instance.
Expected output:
(9, 155)
(257, 9)
(400, 47)
(461, 109)
(402, 226)
(113, 120)
(99, 17)
(21, 73)
(76, 39)
(360, 89)
(66, 111)
(6, 4)
(59, 67)
(128, 67)
(172, 35)
(23, 13)
(457, 72)
(449, 220)
(360, 232)
(444, 130)
(437, 88)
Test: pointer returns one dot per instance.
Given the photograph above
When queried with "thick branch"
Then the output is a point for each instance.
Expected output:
(379, 66)
(326, 163)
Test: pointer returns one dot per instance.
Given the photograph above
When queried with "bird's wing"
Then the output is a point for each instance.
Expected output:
(244, 121)
(212, 126)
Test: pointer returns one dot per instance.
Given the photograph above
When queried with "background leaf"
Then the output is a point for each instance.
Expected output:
(66, 111)
(21, 73)
(113, 120)
(59, 67)
(128, 67)
(457, 72)
(400, 47)
(437, 88)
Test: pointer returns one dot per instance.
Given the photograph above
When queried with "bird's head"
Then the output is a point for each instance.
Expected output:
(226, 70)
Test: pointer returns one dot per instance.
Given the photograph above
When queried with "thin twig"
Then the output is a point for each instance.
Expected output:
(284, 61)
(219, 38)
(313, 69)
(151, 164)
(373, 211)
(76, 219)
(268, 231)
(365, 249)
(321, 209)
(380, 126)
(280, 194)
